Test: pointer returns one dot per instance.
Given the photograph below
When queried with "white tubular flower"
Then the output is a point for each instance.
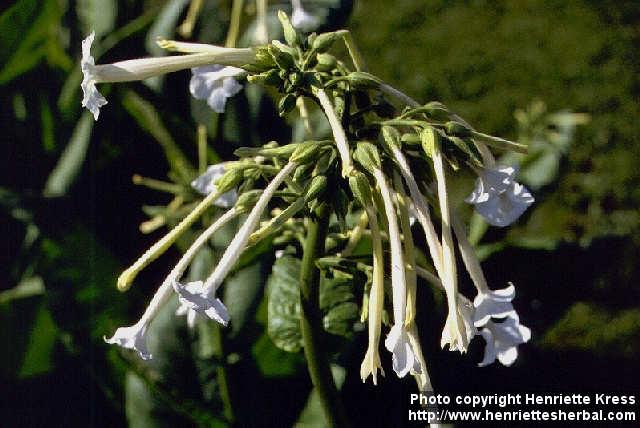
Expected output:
(215, 83)
(200, 297)
(488, 303)
(195, 299)
(397, 341)
(503, 339)
(454, 333)
(132, 338)
(92, 99)
(498, 197)
(205, 184)
(493, 303)
(301, 19)
(219, 313)
(143, 68)
(339, 135)
(451, 334)
(371, 362)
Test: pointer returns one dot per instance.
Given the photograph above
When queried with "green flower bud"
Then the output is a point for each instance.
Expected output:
(436, 110)
(326, 62)
(306, 151)
(290, 34)
(362, 80)
(286, 104)
(270, 78)
(429, 139)
(360, 188)
(247, 200)
(391, 136)
(316, 188)
(324, 41)
(367, 155)
(457, 129)
(264, 58)
(229, 180)
(283, 59)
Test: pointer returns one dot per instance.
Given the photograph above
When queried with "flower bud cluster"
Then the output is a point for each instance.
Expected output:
(389, 165)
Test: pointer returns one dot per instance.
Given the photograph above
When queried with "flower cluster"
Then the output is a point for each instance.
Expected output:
(390, 158)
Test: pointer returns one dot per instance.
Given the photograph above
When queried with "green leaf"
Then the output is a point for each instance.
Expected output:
(283, 311)
(38, 355)
(22, 50)
(71, 160)
(313, 416)
(337, 303)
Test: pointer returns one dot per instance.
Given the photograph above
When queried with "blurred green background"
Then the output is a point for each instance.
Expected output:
(70, 214)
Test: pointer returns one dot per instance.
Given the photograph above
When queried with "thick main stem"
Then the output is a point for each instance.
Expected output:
(310, 320)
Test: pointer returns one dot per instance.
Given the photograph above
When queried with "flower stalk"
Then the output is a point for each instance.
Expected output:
(342, 143)
(311, 321)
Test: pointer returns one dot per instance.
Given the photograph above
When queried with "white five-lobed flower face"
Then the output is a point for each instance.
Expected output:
(205, 184)
(498, 197)
(493, 303)
(503, 339)
(215, 83)
(194, 297)
(92, 99)
(132, 338)
(403, 355)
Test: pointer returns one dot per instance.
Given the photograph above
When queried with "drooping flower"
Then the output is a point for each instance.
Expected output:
(498, 197)
(92, 99)
(465, 318)
(193, 297)
(301, 19)
(371, 362)
(397, 341)
(493, 303)
(215, 83)
(503, 339)
(132, 337)
(404, 358)
(205, 184)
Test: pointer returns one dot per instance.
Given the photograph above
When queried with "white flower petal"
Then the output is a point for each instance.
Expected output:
(505, 208)
(403, 356)
(92, 99)
(489, 349)
(456, 340)
(205, 185)
(503, 339)
(215, 83)
(131, 338)
(493, 303)
(195, 297)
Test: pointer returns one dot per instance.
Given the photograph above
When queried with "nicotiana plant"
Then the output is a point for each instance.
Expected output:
(388, 163)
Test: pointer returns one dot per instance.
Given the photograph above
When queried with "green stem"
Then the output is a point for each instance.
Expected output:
(311, 321)
(221, 373)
